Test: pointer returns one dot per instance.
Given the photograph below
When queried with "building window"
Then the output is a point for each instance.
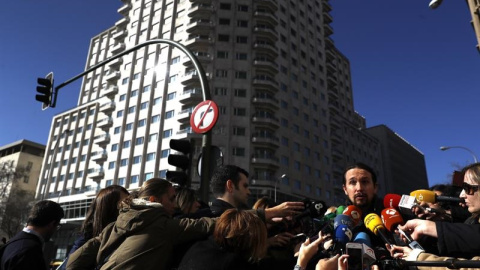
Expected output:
(137, 159)
(139, 141)
(240, 92)
(240, 111)
(167, 133)
(165, 153)
(239, 131)
(238, 151)
(150, 156)
(123, 162)
(169, 114)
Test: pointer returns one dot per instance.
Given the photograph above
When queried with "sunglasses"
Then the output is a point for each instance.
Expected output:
(469, 189)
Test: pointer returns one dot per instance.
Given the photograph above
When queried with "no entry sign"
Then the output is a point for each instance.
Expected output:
(204, 116)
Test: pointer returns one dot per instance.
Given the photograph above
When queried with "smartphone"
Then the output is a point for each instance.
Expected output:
(355, 256)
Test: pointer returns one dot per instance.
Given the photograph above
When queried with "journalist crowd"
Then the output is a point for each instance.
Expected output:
(165, 226)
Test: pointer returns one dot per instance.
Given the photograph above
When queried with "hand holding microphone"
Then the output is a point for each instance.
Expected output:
(392, 219)
(419, 227)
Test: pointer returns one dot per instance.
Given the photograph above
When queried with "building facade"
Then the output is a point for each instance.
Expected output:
(20, 164)
(283, 90)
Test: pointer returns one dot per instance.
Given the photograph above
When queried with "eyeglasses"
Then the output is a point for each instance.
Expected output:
(470, 189)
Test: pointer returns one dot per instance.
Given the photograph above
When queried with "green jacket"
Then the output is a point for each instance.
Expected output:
(143, 237)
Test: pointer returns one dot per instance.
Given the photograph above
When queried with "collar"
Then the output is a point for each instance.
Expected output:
(30, 231)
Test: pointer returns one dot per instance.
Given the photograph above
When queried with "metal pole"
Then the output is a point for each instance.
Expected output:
(207, 137)
(475, 159)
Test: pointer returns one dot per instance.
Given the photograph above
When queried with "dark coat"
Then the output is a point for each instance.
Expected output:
(207, 255)
(24, 251)
(219, 206)
(459, 239)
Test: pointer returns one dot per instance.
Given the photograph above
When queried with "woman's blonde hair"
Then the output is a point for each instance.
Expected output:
(241, 232)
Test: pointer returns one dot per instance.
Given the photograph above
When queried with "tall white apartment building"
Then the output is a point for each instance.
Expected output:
(283, 90)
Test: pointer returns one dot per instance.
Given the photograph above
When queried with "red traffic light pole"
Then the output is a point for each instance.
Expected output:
(207, 137)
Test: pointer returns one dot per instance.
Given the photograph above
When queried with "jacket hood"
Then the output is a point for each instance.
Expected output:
(140, 214)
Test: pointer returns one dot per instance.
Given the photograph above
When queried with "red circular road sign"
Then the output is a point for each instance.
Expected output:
(204, 116)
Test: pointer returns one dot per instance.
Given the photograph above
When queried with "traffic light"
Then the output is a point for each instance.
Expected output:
(46, 90)
(182, 161)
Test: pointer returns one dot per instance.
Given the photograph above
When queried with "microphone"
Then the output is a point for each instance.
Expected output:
(362, 237)
(340, 209)
(313, 209)
(391, 200)
(374, 223)
(342, 220)
(392, 218)
(343, 234)
(425, 195)
(354, 213)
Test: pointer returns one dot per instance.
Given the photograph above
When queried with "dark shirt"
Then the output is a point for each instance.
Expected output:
(24, 251)
(207, 255)
(219, 206)
(459, 239)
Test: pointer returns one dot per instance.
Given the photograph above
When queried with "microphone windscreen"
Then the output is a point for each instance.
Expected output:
(391, 200)
(374, 223)
(354, 213)
(424, 195)
(362, 237)
(343, 234)
(340, 209)
(391, 218)
(342, 220)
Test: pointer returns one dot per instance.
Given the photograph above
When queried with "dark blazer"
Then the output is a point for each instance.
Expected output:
(459, 239)
(24, 251)
(207, 255)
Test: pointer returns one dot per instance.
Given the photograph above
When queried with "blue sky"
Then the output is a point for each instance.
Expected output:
(414, 69)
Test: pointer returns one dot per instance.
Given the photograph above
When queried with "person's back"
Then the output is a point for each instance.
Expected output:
(25, 250)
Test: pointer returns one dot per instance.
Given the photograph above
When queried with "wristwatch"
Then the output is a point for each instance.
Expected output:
(298, 267)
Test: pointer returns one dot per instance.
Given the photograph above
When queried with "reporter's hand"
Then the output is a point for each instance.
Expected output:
(417, 228)
(280, 240)
(284, 209)
(328, 263)
(398, 251)
(307, 251)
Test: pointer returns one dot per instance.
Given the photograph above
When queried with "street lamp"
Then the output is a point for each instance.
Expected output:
(435, 4)
(276, 181)
(444, 148)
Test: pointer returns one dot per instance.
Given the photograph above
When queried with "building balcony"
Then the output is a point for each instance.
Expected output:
(107, 107)
(331, 80)
(114, 64)
(270, 4)
(119, 34)
(200, 10)
(331, 67)
(268, 17)
(124, 9)
(332, 93)
(269, 102)
(187, 130)
(329, 43)
(265, 32)
(266, 65)
(331, 56)
(191, 95)
(113, 76)
(120, 47)
(111, 90)
(202, 26)
(265, 141)
(190, 78)
(328, 30)
(326, 6)
(336, 154)
(265, 160)
(266, 48)
(101, 140)
(96, 174)
(99, 156)
(266, 121)
(122, 23)
(265, 83)
(184, 115)
(202, 58)
(201, 2)
(334, 107)
(327, 18)
(334, 124)
(199, 42)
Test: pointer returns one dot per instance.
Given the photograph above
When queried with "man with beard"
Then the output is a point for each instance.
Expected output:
(360, 186)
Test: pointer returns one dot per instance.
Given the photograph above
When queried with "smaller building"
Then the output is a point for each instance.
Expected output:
(403, 164)
(20, 164)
